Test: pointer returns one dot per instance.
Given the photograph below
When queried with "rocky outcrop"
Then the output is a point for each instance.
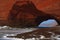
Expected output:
(25, 14)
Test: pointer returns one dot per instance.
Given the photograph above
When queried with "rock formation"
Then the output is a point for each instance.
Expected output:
(25, 14)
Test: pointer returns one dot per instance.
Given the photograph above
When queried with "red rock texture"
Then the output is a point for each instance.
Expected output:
(25, 14)
(50, 6)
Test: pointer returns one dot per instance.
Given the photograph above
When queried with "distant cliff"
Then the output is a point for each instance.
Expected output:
(25, 14)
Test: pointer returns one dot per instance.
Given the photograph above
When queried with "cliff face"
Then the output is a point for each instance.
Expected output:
(25, 14)
(49, 6)
(22, 14)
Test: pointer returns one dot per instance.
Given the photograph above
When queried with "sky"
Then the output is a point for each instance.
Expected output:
(50, 6)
